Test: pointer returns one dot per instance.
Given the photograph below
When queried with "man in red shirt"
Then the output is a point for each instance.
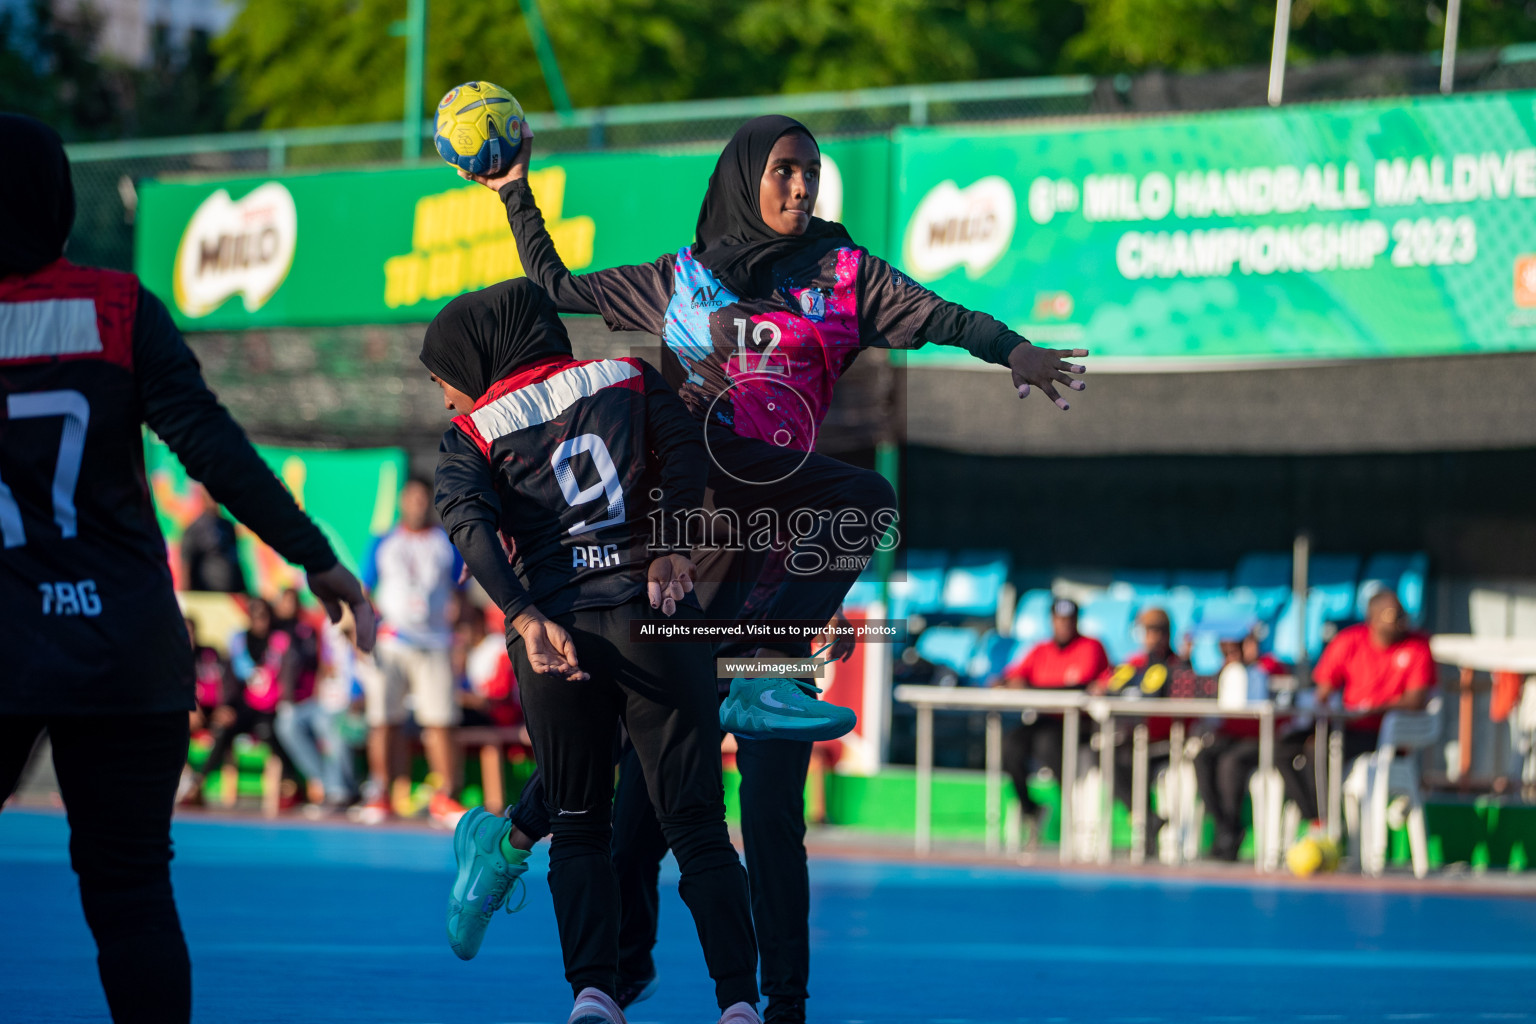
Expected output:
(1068, 661)
(1380, 665)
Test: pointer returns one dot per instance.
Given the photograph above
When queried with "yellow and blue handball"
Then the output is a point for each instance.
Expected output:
(479, 128)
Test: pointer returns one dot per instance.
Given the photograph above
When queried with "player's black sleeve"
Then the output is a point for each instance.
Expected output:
(471, 513)
(980, 334)
(677, 439)
(633, 297)
(897, 312)
(181, 410)
(571, 293)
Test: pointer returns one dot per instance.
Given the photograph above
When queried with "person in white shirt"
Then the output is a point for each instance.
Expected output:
(412, 574)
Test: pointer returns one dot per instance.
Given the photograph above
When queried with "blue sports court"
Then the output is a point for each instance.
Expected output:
(303, 922)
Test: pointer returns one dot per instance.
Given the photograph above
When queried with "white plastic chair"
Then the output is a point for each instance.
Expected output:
(1373, 779)
(1281, 816)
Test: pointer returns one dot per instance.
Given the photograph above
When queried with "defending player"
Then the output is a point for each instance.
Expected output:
(94, 644)
(760, 316)
(569, 460)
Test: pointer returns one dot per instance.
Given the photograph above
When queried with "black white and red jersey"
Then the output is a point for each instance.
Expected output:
(577, 463)
(88, 619)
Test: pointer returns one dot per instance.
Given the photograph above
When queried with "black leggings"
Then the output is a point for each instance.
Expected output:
(828, 506)
(772, 772)
(773, 833)
(664, 694)
(1222, 773)
(1294, 757)
(118, 777)
(1035, 745)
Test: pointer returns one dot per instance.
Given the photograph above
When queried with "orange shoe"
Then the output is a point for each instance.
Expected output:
(445, 810)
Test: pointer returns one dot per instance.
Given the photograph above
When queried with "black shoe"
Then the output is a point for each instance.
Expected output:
(1225, 846)
(631, 992)
(785, 1011)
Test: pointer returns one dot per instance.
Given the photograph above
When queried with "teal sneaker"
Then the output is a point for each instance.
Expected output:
(782, 709)
(484, 880)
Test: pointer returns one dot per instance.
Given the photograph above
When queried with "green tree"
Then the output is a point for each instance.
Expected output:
(334, 62)
(50, 68)
(47, 70)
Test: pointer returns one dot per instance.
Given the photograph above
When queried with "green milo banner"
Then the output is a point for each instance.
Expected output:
(394, 245)
(351, 495)
(1397, 228)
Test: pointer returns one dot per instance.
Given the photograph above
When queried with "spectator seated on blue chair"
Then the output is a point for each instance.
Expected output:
(1230, 756)
(1380, 665)
(1067, 661)
(972, 583)
(1145, 674)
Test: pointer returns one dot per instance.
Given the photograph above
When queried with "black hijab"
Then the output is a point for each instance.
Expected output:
(37, 197)
(483, 336)
(732, 240)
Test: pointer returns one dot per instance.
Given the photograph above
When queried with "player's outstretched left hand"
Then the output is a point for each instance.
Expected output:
(1044, 368)
(667, 580)
(336, 587)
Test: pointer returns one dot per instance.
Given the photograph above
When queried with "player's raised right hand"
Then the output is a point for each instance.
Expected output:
(550, 649)
(518, 170)
(336, 587)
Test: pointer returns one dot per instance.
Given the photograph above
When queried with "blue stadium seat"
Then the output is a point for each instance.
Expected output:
(1285, 635)
(1138, 583)
(1205, 655)
(1219, 618)
(1032, 620)
(1265, 576)
(972, 583)
(1201, 583)
(948, 646)
(1181, 604)
(994, 652)
(1334, 578)
(1404, 573)
(1259, 569)
(862, 594)
(1238, 604)
(1108, 620)
(918, 587)
(1331, 595)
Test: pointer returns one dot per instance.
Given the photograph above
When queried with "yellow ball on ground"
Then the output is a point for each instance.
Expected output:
(1306, 858)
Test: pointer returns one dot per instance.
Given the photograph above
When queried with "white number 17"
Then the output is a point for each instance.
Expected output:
(71, 405)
